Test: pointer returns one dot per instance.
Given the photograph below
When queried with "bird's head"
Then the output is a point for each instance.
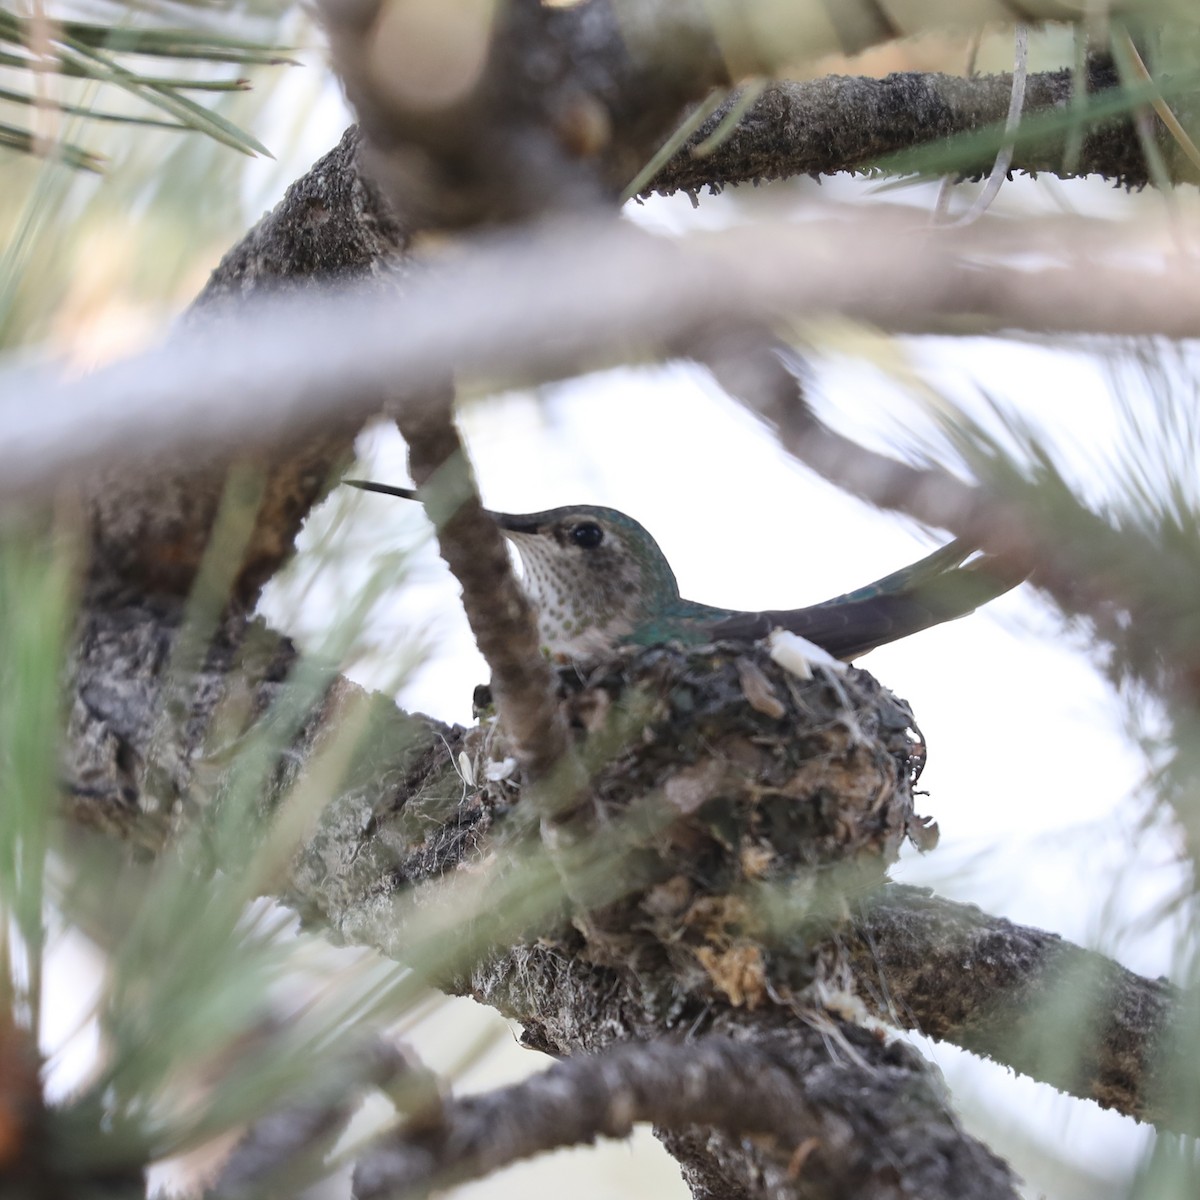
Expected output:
(593, 574)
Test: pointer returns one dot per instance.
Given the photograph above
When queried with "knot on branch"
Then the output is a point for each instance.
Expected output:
(731, 808)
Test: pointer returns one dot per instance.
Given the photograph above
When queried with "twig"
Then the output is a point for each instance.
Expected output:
(286, 1150)
(498, 610)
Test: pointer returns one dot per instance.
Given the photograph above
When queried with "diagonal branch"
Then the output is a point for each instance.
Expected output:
(1028, 999)
(770, 1089)
(151, 515)
(497, 608)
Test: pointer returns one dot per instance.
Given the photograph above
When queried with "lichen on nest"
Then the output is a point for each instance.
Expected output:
(754, 802)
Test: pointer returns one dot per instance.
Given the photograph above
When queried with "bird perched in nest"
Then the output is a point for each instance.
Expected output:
(598, 580)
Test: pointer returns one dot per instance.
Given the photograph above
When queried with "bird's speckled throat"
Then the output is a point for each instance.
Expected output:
(593, 574)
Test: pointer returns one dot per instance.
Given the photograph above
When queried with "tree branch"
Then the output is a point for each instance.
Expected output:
(771, 1088)
(1028, 999)
(498, 610)
(152, 513)
(282, 1151)
(839, 123)
(876, 1095)
(675, 944)
(513, 309)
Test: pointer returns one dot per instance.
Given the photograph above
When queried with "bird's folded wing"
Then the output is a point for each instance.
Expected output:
(936, 589)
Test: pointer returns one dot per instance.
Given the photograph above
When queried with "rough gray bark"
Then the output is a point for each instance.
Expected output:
(149, 527)
(778, 1091)
(402, 822)
(672, 936)
(500, 614)
(1028, 999)
(837, 123)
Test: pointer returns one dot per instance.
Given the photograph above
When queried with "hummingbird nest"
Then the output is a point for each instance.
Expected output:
(742, 806)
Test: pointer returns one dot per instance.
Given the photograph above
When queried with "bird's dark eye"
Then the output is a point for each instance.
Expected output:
(587, 536)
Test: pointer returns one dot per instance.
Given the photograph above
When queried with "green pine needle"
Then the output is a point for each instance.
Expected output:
(13, 138)
(81, 110)
(90, 50)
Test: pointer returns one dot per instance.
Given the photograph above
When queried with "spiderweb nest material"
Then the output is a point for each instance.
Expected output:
(751, 805)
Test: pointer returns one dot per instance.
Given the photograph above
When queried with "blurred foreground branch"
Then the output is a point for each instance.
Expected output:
(497, 609)
(541, 306)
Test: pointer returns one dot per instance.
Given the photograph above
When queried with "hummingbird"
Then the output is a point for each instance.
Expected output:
(598, 580)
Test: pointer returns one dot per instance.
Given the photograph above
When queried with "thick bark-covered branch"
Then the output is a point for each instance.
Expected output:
(151, 516)
(403, 846)
(1064, 1015)
(770, 1088)
(839, 123)
(879, 1113)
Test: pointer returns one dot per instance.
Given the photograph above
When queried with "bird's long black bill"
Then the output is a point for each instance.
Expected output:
(384, 489)
(509, 522)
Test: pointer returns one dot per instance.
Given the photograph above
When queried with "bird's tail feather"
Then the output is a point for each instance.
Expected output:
(935, 589)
